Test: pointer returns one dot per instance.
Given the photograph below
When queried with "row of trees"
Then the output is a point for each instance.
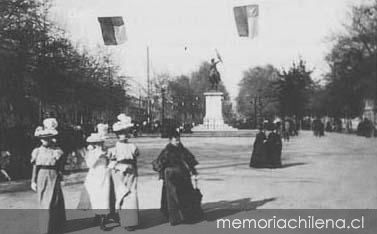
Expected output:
(41, 71)
(42, 74)
(353, 64)
(292, 92)
(266, 92)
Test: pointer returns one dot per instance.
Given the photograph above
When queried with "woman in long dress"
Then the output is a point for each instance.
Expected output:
(97, 182)
(258, 156)
(46, 178)
(176, 165)
(273, 147)
(124, 164)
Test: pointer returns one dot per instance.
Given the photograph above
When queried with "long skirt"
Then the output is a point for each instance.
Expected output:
(125, 186)
(97, 184)
(177, 196)
(259, 156)
(51, 201)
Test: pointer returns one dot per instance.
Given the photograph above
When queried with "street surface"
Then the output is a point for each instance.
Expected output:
(336, 171)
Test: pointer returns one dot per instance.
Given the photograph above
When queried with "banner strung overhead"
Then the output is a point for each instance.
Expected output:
(247, 20)
(113, 30)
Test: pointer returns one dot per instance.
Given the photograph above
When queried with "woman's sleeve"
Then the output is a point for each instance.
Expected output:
(34, 155)
(34, 174)
(92, 158)
(136, 152)
(111, 153)
(190, 159)
(58, 153)
(159, 161)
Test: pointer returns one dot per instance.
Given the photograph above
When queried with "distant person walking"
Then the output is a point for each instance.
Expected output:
(258, 156)
(286, 130)
(4, 164)
(273, 146)
(318, 128)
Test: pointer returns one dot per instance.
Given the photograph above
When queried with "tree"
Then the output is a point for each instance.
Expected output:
(294, 88)
(256, 96)
(41, 69)
(352, 61)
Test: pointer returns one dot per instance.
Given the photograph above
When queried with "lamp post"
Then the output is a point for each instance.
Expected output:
(163, 129)
(163, 90)
(257, 101)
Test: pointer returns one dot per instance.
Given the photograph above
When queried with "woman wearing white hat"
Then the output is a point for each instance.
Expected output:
(97, 181)
(124, 174)
(46, 178)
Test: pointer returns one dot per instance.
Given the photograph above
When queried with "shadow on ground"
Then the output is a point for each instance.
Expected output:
(292, 164)
(153, 217)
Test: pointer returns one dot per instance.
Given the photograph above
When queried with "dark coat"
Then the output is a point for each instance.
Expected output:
(175, 165)
(273, 150)
(258, 156)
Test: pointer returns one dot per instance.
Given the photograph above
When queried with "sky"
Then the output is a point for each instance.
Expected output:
(288, 30)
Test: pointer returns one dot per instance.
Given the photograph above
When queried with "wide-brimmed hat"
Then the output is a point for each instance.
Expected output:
(123, 124)
(48, 130)
(95, 138)
(102, 129)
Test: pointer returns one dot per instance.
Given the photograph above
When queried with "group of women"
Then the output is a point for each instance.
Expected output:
(111, 182)
(267, 148)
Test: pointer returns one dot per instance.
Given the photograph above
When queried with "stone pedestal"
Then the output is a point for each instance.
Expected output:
(213, 120)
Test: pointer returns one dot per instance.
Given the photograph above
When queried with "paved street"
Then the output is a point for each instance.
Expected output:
(336, 171)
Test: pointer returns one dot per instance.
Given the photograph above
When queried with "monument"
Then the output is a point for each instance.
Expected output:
(213, 119)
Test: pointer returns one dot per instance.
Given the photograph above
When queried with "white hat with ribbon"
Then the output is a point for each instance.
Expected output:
(48, 129)
(123, 124)
(95, 138)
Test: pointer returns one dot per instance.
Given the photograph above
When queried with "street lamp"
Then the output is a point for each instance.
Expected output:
(163, 90)
(257, 101)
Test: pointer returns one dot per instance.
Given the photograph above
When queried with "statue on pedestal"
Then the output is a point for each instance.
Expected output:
(214, 74)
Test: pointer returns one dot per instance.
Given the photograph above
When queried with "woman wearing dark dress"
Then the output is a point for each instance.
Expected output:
(176, 165)
(258, 156)
(273, 146)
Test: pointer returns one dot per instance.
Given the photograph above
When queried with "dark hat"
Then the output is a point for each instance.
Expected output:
(260, 127)
(173, 133)
(270, 126)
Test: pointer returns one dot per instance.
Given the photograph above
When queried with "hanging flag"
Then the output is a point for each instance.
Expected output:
(247, 20)
(113, 30)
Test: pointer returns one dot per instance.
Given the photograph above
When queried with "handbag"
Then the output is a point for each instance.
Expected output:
(197, 196)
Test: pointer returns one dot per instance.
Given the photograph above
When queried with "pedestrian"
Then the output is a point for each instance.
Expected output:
(46, 177)
(316, 127)
(273, 146)
(258, 156)
(124, 164)
(4, 163)
(328, 126)
(287, 130)
(97, 182)
(321, 129)
(180, 202)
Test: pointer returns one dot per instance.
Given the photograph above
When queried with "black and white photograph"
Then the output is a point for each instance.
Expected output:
(188, 116)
